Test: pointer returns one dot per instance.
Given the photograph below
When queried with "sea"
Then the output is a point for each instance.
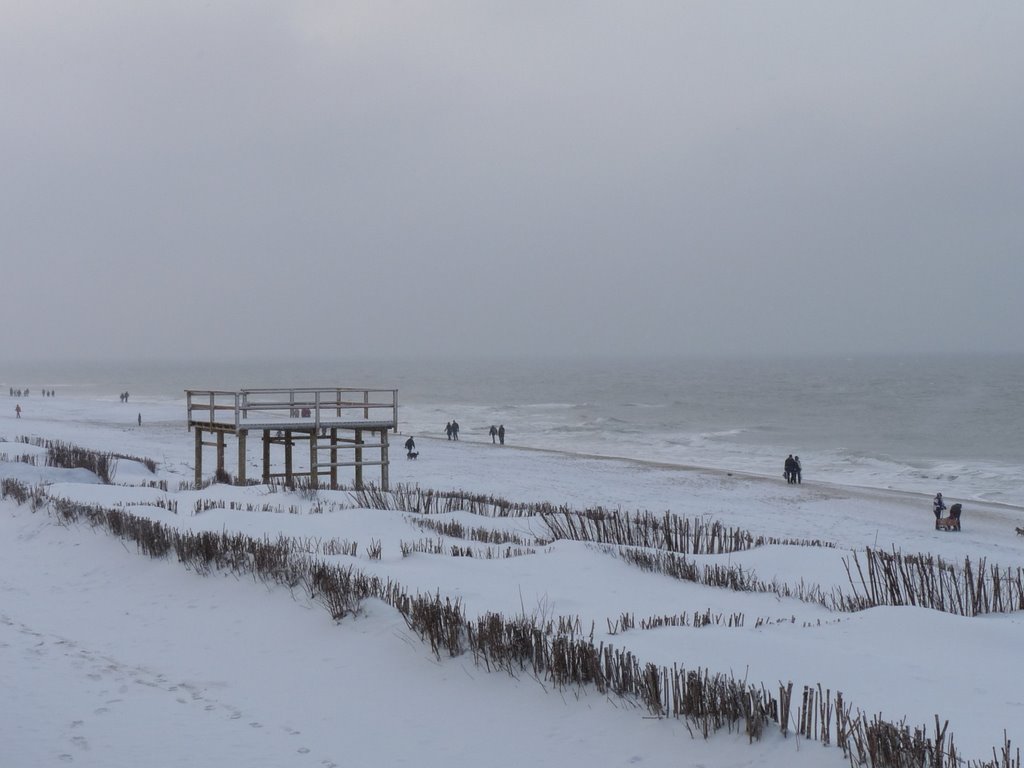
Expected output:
(917, 424)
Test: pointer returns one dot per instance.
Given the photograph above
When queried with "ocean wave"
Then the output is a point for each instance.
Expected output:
(721, 433)
(546, 406)
(755, 449)
(741, 416)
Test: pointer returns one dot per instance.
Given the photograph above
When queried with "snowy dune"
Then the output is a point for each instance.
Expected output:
(110, 658)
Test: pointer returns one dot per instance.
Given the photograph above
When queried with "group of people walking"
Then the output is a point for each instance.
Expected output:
(451, 429)
(25, 392)
(792, 470)
(497, 433)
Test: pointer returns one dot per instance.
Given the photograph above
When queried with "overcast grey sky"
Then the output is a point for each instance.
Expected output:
(304, 177)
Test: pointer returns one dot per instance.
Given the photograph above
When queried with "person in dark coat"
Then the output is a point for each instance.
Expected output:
(789, 469)
(455, 429)
(493, 433)
(501, 434)
(410, 446)
(938, 505)
(448, 430)
(798, 469)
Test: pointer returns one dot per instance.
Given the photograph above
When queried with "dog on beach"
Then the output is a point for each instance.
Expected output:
(1020, 531)
(412, 454)
(951, 523)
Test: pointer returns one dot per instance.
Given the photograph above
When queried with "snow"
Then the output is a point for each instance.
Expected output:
(110, 658)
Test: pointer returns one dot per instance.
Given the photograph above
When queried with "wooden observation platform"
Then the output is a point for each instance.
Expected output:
(334, 421)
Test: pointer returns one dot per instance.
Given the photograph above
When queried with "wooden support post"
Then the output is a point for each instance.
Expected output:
(359, 459)
(384, 459)
(314, 479)
(289, 481)
(199, 456)
(241, 456)
(220, 455)
(334, 457)
(266, 456)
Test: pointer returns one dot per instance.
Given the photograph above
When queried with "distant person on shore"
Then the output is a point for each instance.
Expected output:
(140, 419)
(789, 469)
(493, 433)
(455, 429)
(798, 469)
(410, 446)
(501, 434)
(17, 411)
(938, 505)
(448, 430)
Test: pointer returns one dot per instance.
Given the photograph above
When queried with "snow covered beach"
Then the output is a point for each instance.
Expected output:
(113, 658)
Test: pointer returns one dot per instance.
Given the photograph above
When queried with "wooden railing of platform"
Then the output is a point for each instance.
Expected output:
(296, 413)
(324, 404)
